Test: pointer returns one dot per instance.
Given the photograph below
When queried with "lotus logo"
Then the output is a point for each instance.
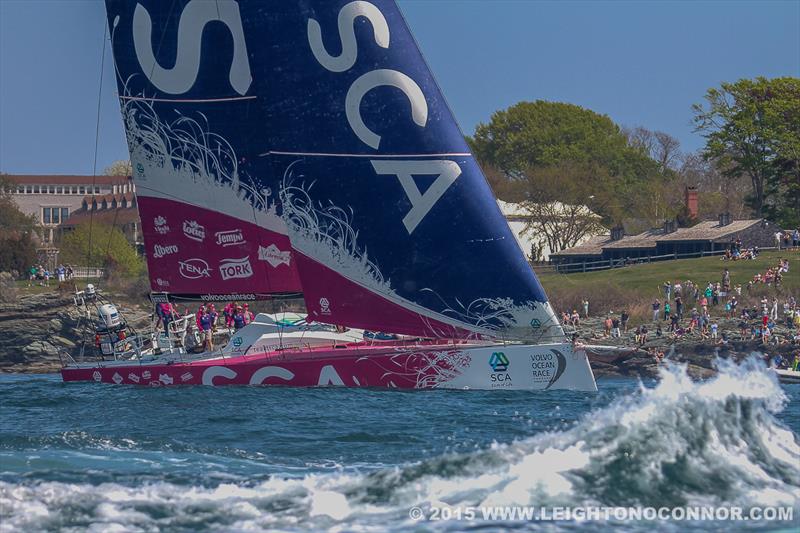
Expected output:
(498, 361)
(273, 255)
(235, 268)
(194, 268)
(160, 251)
(193, 230)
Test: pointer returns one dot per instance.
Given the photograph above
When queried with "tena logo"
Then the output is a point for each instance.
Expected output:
(194, 268)
(324, 306)
(160, 251)
(161, 226)
(193, 230)
(96, 376)
(498, 361)
(235, 268)
(230, 237)
(273, 255)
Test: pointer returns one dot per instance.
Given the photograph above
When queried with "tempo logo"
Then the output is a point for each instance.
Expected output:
(498, 361)
(230, 237)
(235, 268)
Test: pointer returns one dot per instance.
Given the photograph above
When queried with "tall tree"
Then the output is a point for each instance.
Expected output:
(101, 246)
(752, 128)
(18, 232)
(119, 168)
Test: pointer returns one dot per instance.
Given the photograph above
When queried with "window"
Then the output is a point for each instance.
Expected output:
(46, 215)
(64, 214)
(97, 190)
(56, 219)
(74, 189)
(51, 189)
(59, 190)
(36, 189)
(81, 190)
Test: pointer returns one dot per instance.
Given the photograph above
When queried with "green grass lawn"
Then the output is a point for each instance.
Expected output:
(647, 279)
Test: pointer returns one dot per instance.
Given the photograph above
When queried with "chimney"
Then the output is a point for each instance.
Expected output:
(725, 219)
(617, 233)
(691, 202)
(670, 226)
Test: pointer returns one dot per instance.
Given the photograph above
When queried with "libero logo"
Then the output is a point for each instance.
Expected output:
(194, 268)
(230, 237)
(160, 251)
(235, 268)
(193, 230)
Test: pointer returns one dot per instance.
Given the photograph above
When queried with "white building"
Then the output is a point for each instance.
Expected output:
(518, 218)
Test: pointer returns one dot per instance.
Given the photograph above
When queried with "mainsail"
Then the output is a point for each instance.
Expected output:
(316, 119)
(195, 126)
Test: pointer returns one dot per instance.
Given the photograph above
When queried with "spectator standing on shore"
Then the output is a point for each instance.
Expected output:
(796, 240)
(615, 328)
(607, 323)
(778, 238)
(679, 307)
(667, 310)
(726, 280)
(61, 273)
(667, 290)
(656, 309)
(714, 329)
(624, 317)
(774, 311)
(585, 304)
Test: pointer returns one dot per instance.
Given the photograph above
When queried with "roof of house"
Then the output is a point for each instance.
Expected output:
(710, 230)
(59, 179)
(593, 246)
(645, 239)
(129, 196)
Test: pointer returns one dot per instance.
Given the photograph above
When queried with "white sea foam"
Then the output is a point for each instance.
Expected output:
(715, 442)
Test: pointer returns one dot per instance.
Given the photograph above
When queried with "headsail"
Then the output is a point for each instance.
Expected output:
(392, 221)
(195, 126)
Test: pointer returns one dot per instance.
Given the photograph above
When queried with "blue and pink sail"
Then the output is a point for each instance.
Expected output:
(304, 146)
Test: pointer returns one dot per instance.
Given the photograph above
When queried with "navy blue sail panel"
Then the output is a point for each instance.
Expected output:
(392, 222)
(194, 124)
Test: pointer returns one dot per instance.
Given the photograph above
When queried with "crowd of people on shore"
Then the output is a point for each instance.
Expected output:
(207, 319)
(688, 309)
(41, 276)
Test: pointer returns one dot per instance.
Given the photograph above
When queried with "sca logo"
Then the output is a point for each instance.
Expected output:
(499, 362)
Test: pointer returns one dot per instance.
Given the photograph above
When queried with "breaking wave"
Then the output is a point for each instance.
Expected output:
(715, 442)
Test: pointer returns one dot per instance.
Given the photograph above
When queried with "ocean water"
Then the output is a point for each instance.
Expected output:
(78, 457)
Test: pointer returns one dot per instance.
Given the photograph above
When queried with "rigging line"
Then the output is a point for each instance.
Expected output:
(97, 140)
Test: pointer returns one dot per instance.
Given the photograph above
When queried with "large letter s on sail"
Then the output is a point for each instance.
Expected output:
(347, 34)
(196, 14)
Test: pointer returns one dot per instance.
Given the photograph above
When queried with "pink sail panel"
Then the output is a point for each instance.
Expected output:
(193, 250)
(333, 299)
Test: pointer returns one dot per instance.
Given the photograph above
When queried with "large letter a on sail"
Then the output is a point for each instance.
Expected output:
(446, 172)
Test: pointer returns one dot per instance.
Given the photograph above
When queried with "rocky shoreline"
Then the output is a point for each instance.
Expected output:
(37, 327)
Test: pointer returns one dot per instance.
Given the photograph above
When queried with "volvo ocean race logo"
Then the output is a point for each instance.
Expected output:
(273, 255)
(160, 224)
(230, 237)
(193, 230)
(194, 268)
(548, 367)
(160, 251)
(235, 268)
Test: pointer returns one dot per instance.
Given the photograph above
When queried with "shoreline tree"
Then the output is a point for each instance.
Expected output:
(752, 128)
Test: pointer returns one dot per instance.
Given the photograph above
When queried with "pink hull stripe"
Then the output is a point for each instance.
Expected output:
(333, 299)
(370, 367)
(192, 250)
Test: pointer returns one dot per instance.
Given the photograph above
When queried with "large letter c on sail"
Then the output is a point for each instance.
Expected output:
(377, 78)
(181, 77)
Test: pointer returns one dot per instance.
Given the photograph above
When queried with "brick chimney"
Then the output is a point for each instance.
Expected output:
(691, 202)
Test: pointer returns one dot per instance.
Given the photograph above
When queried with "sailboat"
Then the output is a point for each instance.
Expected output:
(303, 147)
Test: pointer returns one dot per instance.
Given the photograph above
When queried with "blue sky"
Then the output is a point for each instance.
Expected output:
(641, 63)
